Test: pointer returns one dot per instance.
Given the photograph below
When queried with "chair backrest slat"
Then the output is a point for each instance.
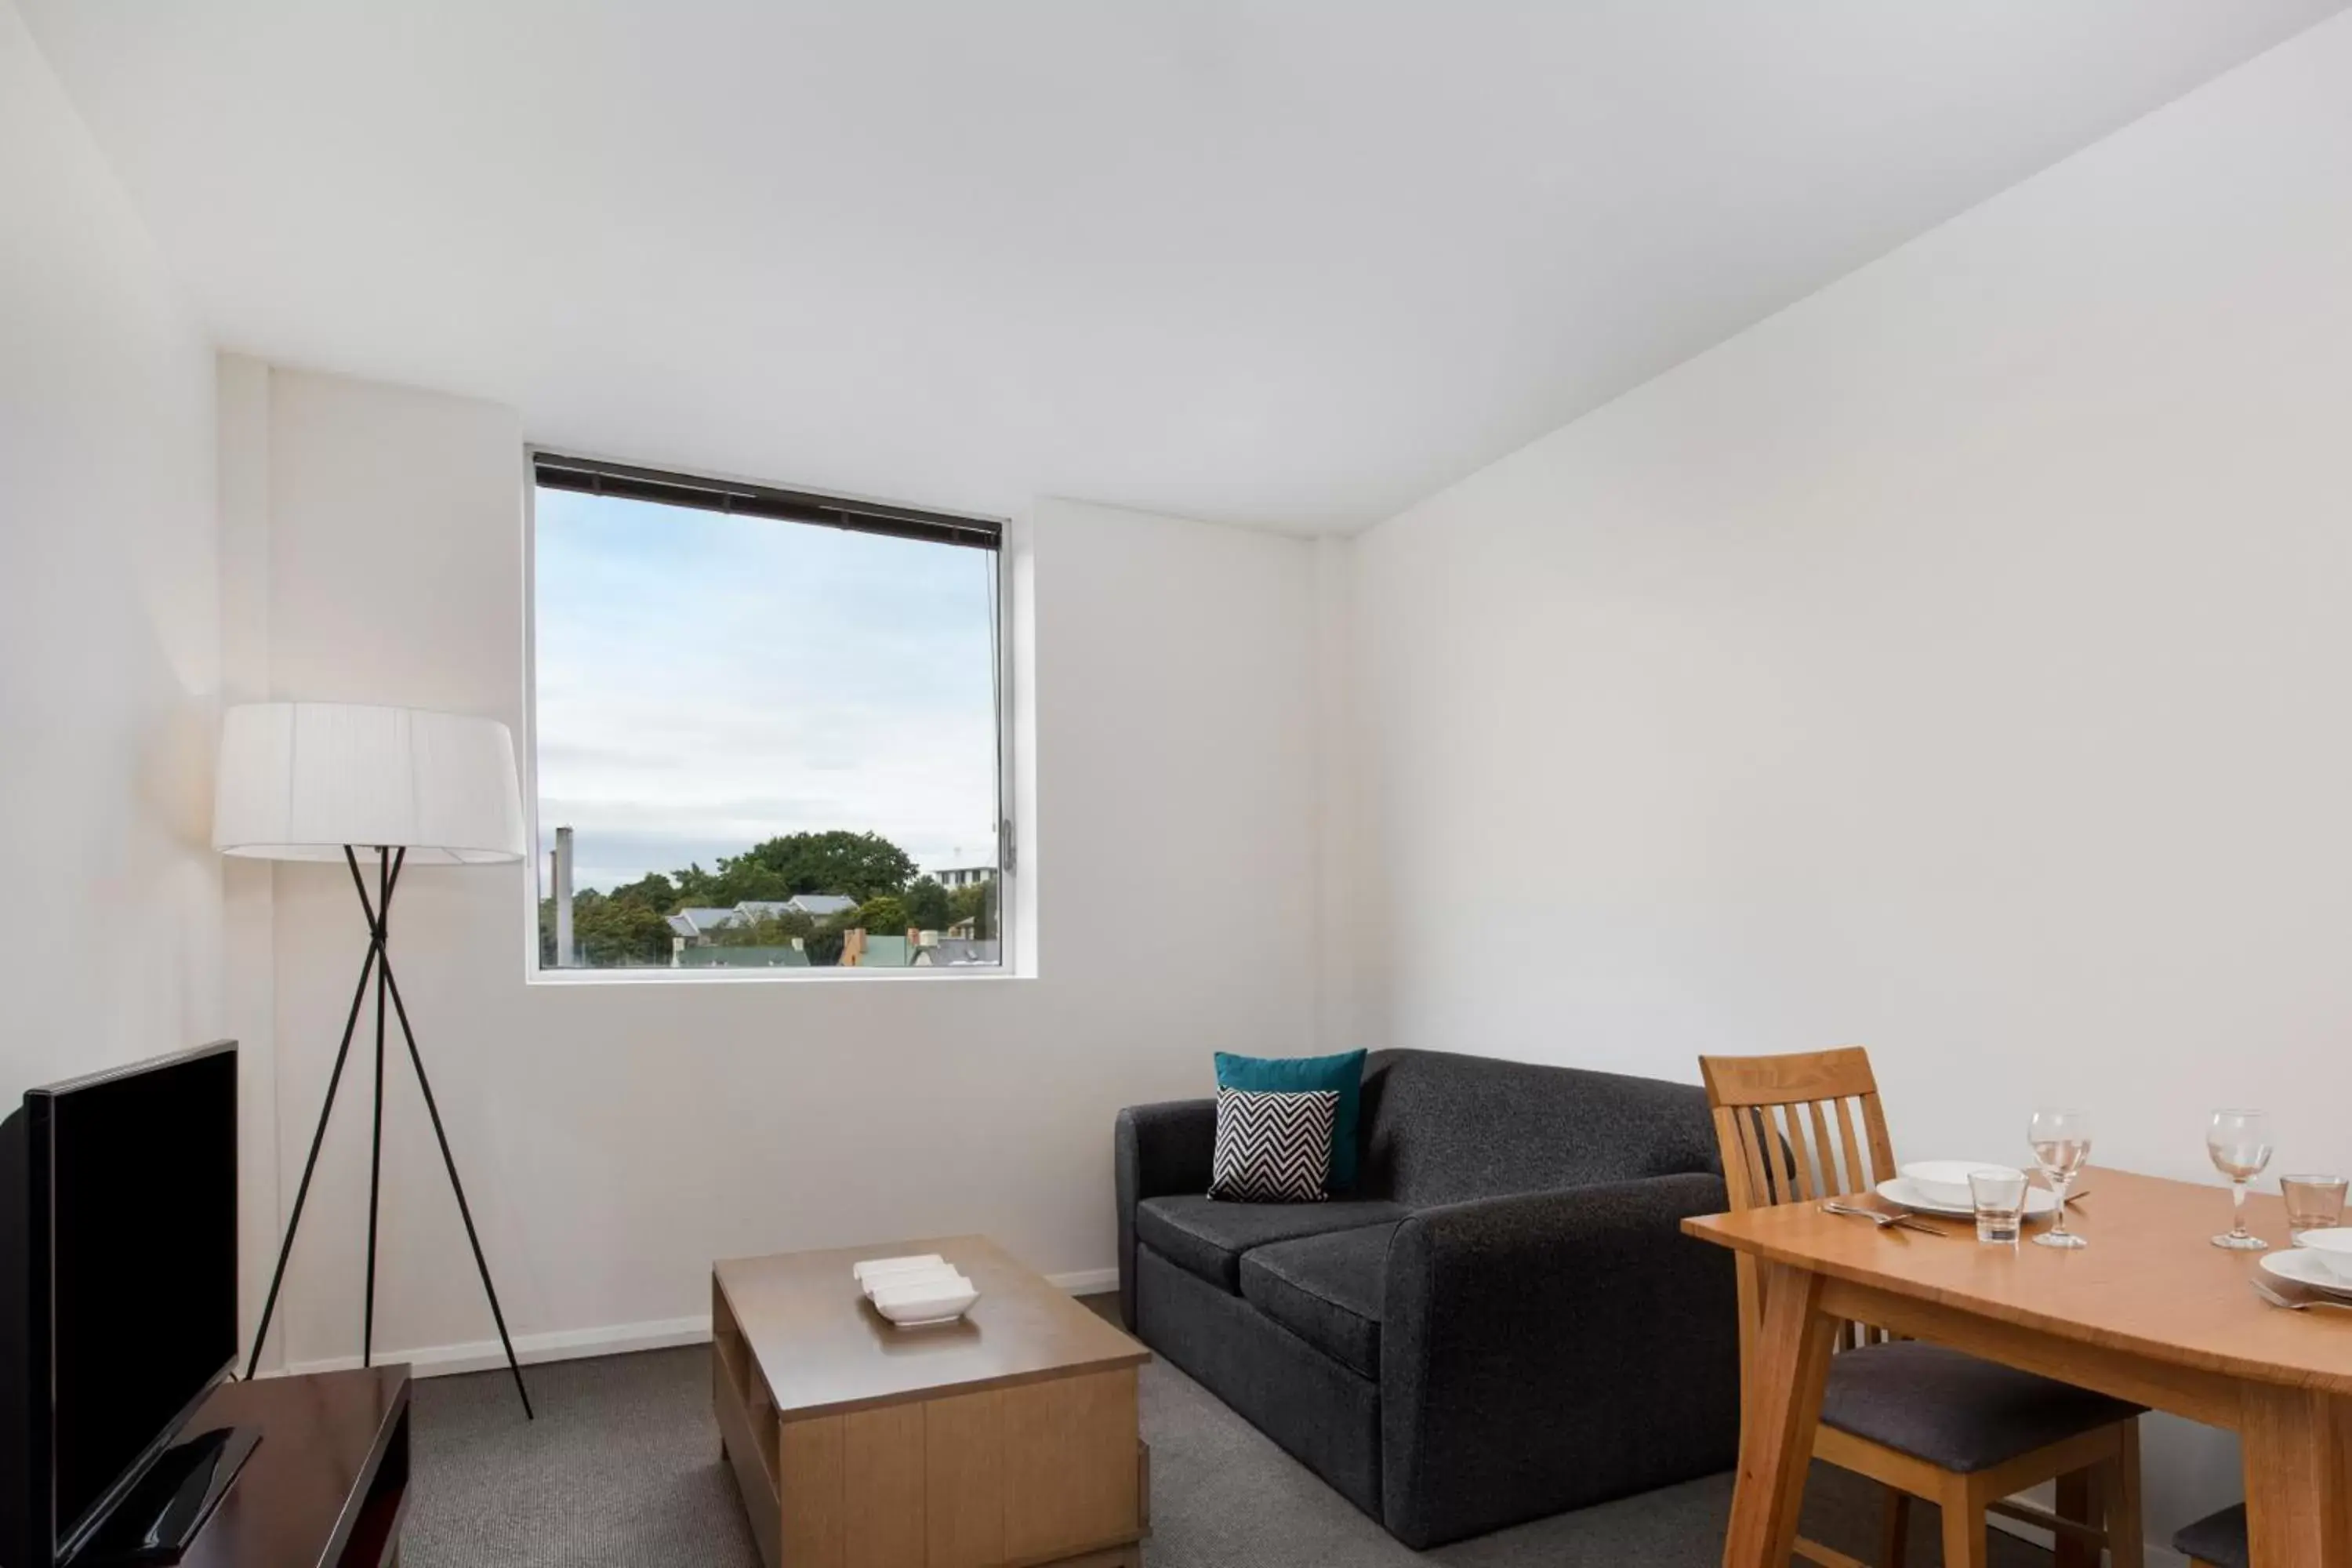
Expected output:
(1772, 1118)
(1832, 1181)
(1882, 1148)
(1857, 1173)
(1742, 1172)
(1806, 1183)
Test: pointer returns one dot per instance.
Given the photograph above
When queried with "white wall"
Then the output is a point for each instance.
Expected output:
(616, 1138)
(1957, 663)
(109, 661)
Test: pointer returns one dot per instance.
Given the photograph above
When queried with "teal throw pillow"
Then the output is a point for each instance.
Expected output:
(1343, 1074)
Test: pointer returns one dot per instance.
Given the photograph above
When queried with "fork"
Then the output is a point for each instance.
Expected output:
(2275, 1299)
(1883, 1221)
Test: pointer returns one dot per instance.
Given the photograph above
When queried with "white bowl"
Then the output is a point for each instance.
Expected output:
(1946, 1181)
(933, 1301)
(2332, 1248)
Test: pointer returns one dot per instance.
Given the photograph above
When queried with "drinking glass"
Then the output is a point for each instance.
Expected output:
(2062, 1142)
(2312, 1203)
(2240, 1143)
(2000, 1196)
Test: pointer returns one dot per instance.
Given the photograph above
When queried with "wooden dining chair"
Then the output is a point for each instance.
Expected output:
(1923, 1420)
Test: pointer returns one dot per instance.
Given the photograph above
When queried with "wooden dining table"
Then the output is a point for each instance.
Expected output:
(2149, 1312)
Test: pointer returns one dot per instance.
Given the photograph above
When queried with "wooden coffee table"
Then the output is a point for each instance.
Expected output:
(1007, 1439)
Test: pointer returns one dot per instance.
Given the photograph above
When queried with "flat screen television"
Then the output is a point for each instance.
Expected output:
(118, 1250)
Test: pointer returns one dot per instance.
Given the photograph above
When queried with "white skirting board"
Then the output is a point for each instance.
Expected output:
(1085, 1281)
(484, 1355)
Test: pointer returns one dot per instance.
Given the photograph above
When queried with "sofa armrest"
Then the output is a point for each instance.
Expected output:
(1156, 1150)
(1553, 1350)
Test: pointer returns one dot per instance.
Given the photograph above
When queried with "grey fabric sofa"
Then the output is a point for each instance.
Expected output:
(1503, 1320)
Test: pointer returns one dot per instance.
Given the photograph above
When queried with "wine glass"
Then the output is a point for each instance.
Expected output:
(2240, 1143)
(2062, 1142)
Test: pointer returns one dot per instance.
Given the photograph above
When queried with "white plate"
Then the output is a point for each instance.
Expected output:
(1946, 1181)
(2293, 1263)
(874, 1268)
(2041, 1203)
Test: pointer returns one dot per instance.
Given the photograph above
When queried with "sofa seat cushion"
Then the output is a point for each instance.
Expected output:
(1327, 1290)
(1953, 1410)
(1206, 1238)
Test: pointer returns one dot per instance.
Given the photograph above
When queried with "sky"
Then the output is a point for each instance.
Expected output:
(708, 681)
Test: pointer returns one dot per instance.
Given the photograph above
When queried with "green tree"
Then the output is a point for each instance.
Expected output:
(860, 866)
(694, 886)
(613, 932)
(653, 889)
(884, 916)
(977, 904)
(928, 905)
(627, 926)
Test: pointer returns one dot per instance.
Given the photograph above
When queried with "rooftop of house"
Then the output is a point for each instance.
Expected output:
(700, 922)
(819, 903)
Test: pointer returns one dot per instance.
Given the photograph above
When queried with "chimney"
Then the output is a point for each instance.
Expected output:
(566, 957)
(853, 947)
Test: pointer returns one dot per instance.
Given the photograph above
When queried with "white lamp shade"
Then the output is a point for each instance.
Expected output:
(300, 780)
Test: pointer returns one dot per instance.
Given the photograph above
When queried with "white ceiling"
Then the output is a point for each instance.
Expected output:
(1292, 262)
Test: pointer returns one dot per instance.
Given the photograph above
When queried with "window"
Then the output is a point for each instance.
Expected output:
(767, 728)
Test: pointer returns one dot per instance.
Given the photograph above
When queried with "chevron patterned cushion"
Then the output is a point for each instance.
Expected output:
(1273, 1148)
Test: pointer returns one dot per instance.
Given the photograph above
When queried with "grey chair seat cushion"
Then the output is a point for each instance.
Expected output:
(1327, 1290)
(1207, 1237)
(2218, 1538)
(1953, 1410)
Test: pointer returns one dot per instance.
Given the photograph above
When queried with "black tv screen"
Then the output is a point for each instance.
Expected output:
(133, 1177)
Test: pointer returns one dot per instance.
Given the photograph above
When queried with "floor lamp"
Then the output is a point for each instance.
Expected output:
(387, 788)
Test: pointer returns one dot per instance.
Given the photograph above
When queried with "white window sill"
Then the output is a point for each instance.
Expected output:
(827, 975)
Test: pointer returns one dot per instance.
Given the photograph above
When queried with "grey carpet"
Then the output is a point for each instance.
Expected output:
(622, 1470)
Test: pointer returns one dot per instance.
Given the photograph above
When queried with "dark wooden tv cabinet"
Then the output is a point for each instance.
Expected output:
(329, 1485)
